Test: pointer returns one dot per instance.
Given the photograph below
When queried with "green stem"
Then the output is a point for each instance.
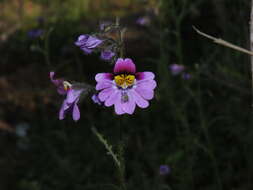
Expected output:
(207, 137)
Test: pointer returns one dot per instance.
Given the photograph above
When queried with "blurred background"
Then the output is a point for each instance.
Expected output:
(198, 125)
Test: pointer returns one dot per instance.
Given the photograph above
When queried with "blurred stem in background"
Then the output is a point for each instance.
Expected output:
(172, 15)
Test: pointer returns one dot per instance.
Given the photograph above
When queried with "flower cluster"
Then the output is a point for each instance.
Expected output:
(124, 88)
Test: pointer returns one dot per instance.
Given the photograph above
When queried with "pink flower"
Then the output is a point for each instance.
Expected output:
(125, 88)
(72, 97)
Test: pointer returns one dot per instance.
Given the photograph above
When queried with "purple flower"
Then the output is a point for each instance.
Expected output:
(125, 88)
(164, 170)
(186, 76)
(35, 33)
(88, 43)
(176, 69)
(72, 97)
(95, 99)
(70, 104)
(143, 21)
(107, 55)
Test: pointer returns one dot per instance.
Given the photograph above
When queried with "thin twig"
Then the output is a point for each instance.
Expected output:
(251, 44)
(224, 43)
(107, 146)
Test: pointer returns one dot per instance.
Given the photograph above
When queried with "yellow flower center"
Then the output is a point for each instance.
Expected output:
(124, 80)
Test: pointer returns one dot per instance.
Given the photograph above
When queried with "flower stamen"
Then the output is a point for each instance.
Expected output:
(124, 80)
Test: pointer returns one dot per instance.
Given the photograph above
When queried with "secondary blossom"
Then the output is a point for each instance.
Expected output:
(125, 88)
(72, 97)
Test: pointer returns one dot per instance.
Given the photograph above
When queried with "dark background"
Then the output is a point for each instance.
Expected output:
(201, 127)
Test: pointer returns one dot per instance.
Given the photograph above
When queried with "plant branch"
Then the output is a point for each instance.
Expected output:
(225, 43)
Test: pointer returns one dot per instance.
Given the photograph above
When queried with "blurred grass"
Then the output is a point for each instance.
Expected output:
(200, 127)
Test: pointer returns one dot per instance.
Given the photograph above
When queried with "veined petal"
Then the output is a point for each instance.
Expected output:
(103, 76)
(106, 93)
(112, 98)
(124, 66)
(142, 103)
(145, 93)
(72, 95)
(129, 106)
(105, 84)
(118, 106)
(146, 84)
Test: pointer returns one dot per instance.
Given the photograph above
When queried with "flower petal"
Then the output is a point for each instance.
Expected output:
(112, 98)
(103, 76)
(73, 94)
(142, 103)
(145, 93)
(76, 112)
(105, 84)
(129, 106)
(106, 93)
(124, 65)
(144, 75)
(118, 106)
(63, 109)
(146, 84)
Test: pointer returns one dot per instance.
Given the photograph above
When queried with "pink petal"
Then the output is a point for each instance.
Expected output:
(63, 108)
(75, 113)
(118, 107)
(112, 98)
(129, 106)
(73, 94)
(145, 93)
(104, 84)
(146, 84)
(124, 65)
(142, 103)
(104, 94)
(144, 75)
(103, 76)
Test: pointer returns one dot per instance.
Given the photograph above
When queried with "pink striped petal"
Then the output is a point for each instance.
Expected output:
(142, 103)
(146, 84)
(104, 94)
(124, 66)
(104, 84)
(118, 107)
(103, 76)
(112, 98)
(145, 93)
(129, 106)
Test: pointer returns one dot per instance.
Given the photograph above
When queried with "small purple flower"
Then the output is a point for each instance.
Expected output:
(125, 88)
(176, 69)
(35, 33)
(186, 76)
(72, 97)
(95, 99)
(143, 21)
(70, 104)
(107, 55)
(88, 43)
(164, 170)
